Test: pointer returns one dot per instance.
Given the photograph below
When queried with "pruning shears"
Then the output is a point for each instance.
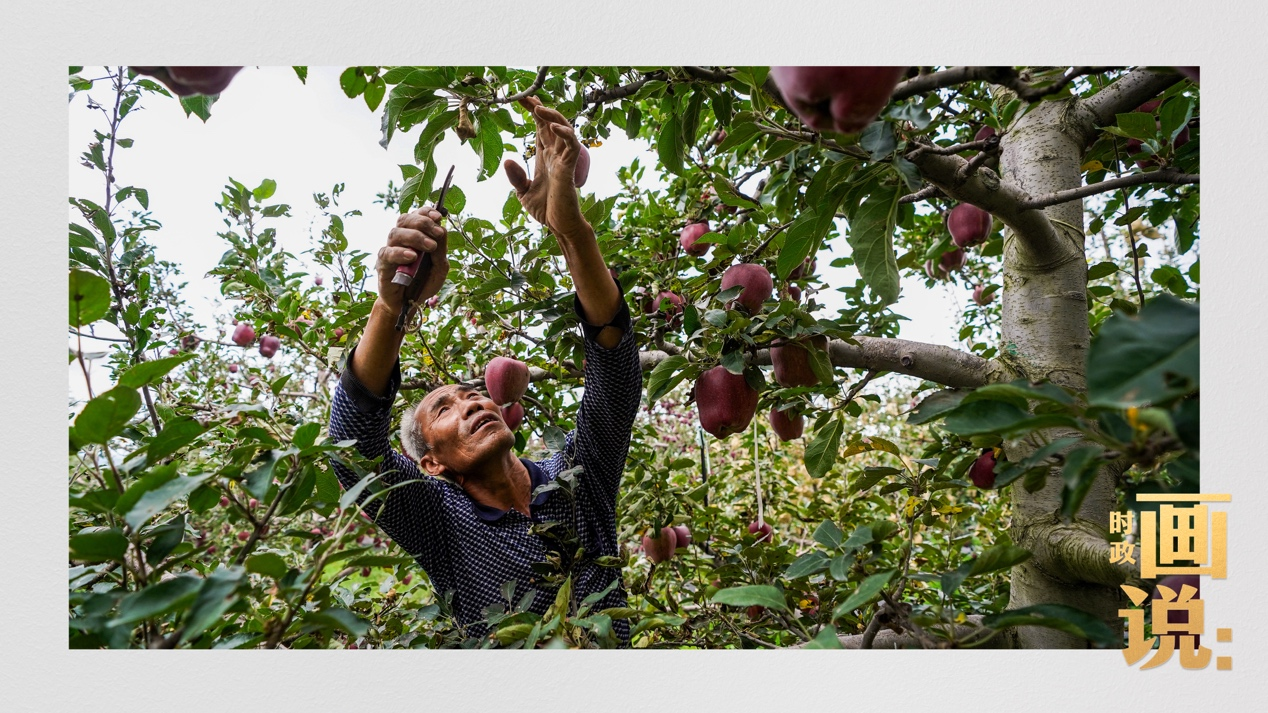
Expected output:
(405, 273)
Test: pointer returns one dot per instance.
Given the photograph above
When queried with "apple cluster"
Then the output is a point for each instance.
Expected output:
(506, 380)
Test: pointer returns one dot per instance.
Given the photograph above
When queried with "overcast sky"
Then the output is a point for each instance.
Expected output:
(308, 137)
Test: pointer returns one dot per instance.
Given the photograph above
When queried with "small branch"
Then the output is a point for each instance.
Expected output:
(708, 75)
(1004, 76)
(925, 193)
(937, 150)
(532, 89)
(100, 339)
(1078, 553)
(1168, 176)
(602, 96)
(970, 631)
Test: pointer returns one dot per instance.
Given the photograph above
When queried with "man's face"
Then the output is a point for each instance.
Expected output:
(464, 428)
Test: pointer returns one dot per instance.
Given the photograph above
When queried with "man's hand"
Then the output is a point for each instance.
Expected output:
(551, 197)
(416, 232)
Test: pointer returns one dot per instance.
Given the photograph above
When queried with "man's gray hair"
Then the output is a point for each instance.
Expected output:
(412, 433)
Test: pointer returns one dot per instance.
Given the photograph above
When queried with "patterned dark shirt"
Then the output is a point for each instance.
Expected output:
(473, 549)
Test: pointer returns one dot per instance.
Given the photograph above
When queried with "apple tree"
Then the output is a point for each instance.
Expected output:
(783, 487)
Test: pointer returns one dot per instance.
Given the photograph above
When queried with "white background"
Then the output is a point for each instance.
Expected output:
(39, 41)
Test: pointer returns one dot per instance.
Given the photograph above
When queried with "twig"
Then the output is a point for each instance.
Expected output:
(532, 89)
(602, 96)
(1170, 176)
(925, 193)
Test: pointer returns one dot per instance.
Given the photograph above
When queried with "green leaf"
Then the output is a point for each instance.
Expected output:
(826, 639)
(1056, 616)
(752, 594)
(935, 405)
(151, 372)
(1004, 555)
(978, 417)
(89, 298)
(265, 190)
(1078, 474)
(155, 501)
(157, 599)
(306, 435)
(878, 139)
(335, 618)
(665, 376)
(176, 434)
(1101, 269)
(374, 92)
(669, 145)
(199, 105)
(828, 534)
(260, 478)
(488, 145)
(1146, 360)
(1138, 125)
(99, 545)
(217, 594)
(269, 564)
(871, 238)
(166, 538)
(728, 196)
(807, 564)
(105, 416)
(798, 244)
(823, 451)
(867, 591)
(555, 438)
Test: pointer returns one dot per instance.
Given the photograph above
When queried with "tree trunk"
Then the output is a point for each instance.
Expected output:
(1045, 336)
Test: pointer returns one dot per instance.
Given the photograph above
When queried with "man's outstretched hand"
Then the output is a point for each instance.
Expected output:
(551, 197)
(415, 232)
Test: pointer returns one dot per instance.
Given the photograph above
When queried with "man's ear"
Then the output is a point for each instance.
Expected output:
(430, 465)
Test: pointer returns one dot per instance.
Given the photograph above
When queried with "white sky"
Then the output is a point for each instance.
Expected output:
(268, 124)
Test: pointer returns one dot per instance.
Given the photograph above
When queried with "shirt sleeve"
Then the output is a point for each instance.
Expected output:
(411, 514)
(612, 391)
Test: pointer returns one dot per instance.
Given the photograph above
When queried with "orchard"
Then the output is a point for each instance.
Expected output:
(800, 473)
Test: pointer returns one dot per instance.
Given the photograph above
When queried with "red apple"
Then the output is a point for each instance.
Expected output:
(725, 402)
(981, 299)
(982, 472)
(673, 307)
(407, 579)
(794, 292)
(792, 361)
(184, 81)
(233, 368)
(951, 261)
(338, 332)
(690, 236)
(969, 225)
(224, 501)
(756, 281)
(985, 132)
(582, 171)
(253, 504)
(513, 415)
(173, 351)
(682, 536)
(432, 301)
(842, 99)
(661, 546)
(317, 280)
(762, 530)
(244, 535)
(785, 426)
(506, 380)
(269, 345)
(243, 335)
(755, 611)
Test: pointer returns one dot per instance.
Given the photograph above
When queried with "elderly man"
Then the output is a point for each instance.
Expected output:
(468, 519)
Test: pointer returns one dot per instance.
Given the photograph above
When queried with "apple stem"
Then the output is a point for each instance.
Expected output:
(757, 476)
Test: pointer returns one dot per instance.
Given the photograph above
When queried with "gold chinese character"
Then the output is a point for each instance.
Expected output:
(1184, 534)
(1186, 632)
(1122, 552)
(1123, 522)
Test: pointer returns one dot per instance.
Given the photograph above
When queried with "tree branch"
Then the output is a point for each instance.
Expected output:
(1169, 176)
(1127, 93)
(602, 96)
(942, 365)
(1078, 552)
(1004, 76)
(888, 639)
(984, 189)
(532, 89)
